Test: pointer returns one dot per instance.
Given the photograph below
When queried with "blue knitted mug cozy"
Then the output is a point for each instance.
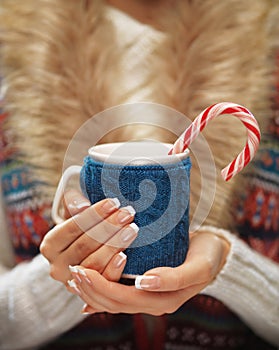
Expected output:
(160, 196)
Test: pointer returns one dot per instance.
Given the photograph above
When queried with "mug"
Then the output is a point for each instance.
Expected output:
(157, 185)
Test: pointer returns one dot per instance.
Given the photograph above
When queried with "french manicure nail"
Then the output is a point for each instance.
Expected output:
(73, 285)
(79, 204)
(111, 204)
(81, 272)
(129, 232)
(83, 310)
(74, 269)
(147, 282)
(119, 259)
(125, 214)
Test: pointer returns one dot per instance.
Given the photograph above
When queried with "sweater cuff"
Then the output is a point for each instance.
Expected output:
(33, 304)
(59, 308)
(248, 284)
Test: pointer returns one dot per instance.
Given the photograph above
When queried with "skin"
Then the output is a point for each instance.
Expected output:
(98, 265)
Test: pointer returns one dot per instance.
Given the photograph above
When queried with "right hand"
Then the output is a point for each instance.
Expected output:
(91, 236)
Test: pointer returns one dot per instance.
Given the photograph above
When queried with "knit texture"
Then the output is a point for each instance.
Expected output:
(30, 298)
(202, 323)
(160, 196)
(257, 207)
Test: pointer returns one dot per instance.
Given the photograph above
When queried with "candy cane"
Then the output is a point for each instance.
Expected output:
(247, 118)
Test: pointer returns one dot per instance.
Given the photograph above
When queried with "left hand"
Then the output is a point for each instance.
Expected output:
(160, 290)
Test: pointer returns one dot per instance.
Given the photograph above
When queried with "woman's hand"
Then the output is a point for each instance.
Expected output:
(160, 290)
(94, 236)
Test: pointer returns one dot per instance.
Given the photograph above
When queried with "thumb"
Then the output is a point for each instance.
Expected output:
(164, 279)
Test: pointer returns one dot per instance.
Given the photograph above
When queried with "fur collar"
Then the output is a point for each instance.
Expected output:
(61, 62)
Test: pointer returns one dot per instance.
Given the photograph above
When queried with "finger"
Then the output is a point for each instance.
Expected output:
(121, 240)
(113, 297)
(64, 234)
(98, 235)
(169, 279)
(201, 265)
(85, 245)
(114, 269)
(82, 285)
(74, 202)
(89, 310)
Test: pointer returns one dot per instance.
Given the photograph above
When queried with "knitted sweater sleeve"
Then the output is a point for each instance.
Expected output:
(248, 284)
(33, 307)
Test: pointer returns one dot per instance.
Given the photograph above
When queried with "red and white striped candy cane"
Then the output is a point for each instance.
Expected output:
(247, 118)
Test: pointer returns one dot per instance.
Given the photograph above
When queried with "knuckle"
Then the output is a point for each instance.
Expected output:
(73, 228)
(45, 249)
(108, 229)
(208, 269)
(210, 266)
(58, 274)
(81, 248)
(94, 263)
(53, 272)
(179, 281)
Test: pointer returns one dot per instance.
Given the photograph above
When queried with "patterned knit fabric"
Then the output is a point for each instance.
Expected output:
(28, 216)
(203, 322)
(257, 213)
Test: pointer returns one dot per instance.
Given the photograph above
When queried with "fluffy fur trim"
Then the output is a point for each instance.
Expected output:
(60, 58)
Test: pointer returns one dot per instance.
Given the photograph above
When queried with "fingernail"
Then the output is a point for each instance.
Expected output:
(74, 270)
(147, 282)
(78, 271)
(111, 204)
(79, 204)
(129, 232)
(73, 285)
(125, 214)
(120, 258)
(83, 310)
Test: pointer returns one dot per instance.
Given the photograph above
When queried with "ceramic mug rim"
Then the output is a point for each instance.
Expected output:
(104, 153)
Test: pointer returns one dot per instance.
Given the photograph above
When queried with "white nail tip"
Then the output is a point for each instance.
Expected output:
(134, 227)
(83, 205)
(73, 269)
(82, 272)
(72, 284)
(76, 269)
(138, 282)
(116, 202)
(130, 209)
(123, 256)
(83, 310)
(139, 279)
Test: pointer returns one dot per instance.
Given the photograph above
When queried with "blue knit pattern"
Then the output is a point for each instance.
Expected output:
(160, 196)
